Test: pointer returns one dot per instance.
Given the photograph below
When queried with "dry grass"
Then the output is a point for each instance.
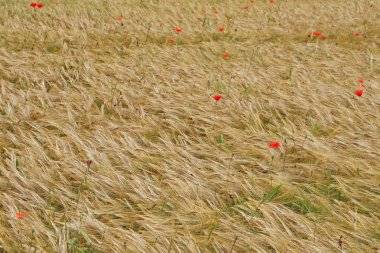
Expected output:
(76, 86)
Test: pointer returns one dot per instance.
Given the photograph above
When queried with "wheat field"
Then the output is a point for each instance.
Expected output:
(111, 139)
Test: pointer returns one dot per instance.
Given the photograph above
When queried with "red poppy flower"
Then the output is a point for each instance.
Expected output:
(361, 81)
(316, 33)
(33, 5)
(246, 7)
(171, 42)
(357, 33)
(178, 30)
(119, 18)
(322, 37)
(271, 1)
(221, 29)
(217, 97)
(274, 144)
(252, 1)
(216, 12)
(20, 215)
(39, 6)
(359, 93)
(225, 55)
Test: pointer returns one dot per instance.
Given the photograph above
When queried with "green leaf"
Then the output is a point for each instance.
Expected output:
(221, 139)
(85, 236)
(73, 243)
(271, 194)
(290, 72)
(169, 205)
(315, 129)
(206, 20)
(245, 92)
(81, 250)
(208, 23)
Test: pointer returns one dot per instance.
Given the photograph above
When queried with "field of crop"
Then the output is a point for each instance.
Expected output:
(221, 126)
